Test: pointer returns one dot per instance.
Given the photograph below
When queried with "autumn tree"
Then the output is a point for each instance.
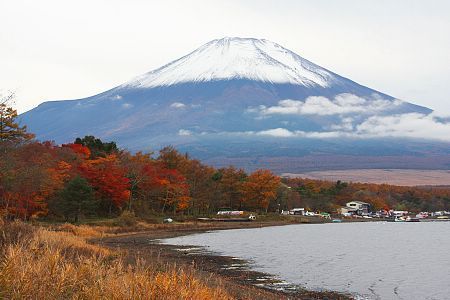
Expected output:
(259, 189)
(231, 186)
(108, 178)
(201, 186)
(175, 190)
(139, 171)
(171, 157)
(197, 176)
(80, 150)
(10, 130)
(29, 177)
(151, 183)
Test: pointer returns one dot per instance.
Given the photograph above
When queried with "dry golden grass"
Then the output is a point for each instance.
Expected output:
(38, 263)
(88, 231)
(85, 230)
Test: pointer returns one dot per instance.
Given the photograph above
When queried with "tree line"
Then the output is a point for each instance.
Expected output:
(92, 177)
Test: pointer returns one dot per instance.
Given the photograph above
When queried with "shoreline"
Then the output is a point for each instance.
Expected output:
(234, 273)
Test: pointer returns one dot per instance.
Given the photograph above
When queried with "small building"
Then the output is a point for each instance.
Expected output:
(230, 212)
(347, 211)
(297, 211)
(399, 213)
(361, 207)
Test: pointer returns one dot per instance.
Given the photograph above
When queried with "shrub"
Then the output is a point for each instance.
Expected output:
(127, 218)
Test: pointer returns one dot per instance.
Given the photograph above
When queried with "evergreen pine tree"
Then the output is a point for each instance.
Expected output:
(75, 200)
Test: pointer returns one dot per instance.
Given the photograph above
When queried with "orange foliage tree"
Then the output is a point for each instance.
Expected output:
(259, 189)
(231, 186)
(29, 176)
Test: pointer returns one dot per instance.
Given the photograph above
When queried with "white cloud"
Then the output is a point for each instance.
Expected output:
(349, 99)
(282, 132)
(184, 132)
(326, 134)
(178, 105)
(117, 97)
(317, 105)
(127, 105)
(286, 133)
(412, 125)
(278, 132)
(409, 125)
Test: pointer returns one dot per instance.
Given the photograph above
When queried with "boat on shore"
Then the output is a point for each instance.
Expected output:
(406, 219)
(248, 219)
(435, 220)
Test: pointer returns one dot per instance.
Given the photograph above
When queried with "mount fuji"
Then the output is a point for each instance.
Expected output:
(253, 103)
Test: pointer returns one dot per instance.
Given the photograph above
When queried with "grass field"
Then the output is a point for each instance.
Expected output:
(389, 176)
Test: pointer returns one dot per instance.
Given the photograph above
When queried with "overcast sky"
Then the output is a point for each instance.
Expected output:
(54, 50)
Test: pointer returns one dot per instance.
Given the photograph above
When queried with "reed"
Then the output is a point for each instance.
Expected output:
(39, 263)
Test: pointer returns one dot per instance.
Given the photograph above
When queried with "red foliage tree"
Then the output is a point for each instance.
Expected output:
(108, 178)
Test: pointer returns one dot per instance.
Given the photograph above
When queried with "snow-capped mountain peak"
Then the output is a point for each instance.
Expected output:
(238, 58)
(248, 99)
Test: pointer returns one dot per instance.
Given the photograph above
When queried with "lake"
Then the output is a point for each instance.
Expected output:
(373, 260)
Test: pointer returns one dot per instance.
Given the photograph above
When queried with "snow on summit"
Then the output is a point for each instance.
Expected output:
(238, 58)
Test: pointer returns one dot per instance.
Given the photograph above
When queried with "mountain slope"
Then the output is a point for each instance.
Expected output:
(234, 93)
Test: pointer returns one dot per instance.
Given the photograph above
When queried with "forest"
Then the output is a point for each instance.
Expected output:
(89, 178)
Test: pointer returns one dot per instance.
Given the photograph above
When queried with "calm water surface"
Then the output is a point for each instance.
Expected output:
(376, 260)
